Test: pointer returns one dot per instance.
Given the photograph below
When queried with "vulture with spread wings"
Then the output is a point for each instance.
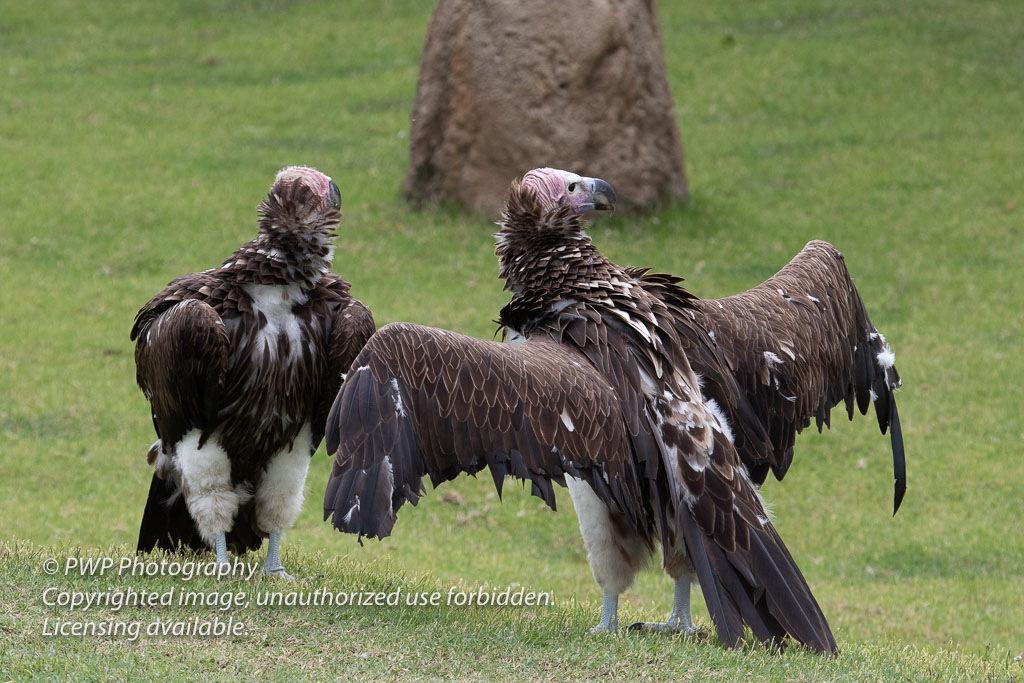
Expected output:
(662, 413)
(240, 365)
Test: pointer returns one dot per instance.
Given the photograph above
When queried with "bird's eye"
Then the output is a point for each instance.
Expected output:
(572, 187)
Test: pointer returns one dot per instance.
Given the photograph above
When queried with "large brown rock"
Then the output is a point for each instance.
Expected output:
(510, 85)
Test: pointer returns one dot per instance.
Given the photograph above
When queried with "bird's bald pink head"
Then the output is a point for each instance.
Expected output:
(321, 185)
(556, 188)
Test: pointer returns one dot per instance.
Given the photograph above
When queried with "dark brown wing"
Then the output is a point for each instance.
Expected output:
(181, 353)
(221, 295)
(422, 401)
(351, 327)
(798, 344)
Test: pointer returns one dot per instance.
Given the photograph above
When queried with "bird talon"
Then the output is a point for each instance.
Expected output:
(666, 627)
(278, 572)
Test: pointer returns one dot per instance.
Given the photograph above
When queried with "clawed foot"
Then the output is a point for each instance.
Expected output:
(272, 565)
(601, 628)
(279, 572)
(688, 631)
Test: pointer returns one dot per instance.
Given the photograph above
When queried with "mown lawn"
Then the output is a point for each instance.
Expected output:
(137, 138)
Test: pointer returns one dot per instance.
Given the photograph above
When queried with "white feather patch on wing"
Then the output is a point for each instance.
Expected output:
(397, 398)
(723, 423)
(635, 324)
(567, 421)
(348, 515)
(769, 514)
(886, 357)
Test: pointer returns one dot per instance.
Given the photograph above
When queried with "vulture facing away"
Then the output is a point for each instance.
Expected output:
(660, 412)
(240, 365)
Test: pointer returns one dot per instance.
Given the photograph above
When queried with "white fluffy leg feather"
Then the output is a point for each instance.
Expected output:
(614, 558)
(206, 483)
(280, 494)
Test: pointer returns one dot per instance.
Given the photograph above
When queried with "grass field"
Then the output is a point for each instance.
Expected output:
(137, 138)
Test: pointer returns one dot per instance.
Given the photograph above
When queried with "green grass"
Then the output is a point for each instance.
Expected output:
(137, 138)
(321, 642)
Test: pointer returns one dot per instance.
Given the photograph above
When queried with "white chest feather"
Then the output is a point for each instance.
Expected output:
(275, 303)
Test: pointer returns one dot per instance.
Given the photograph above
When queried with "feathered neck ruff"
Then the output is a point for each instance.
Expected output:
(537, 246)
(294, 244)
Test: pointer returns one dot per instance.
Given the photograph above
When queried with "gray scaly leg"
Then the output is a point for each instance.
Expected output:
(221, 546)
(609, 614)
(273, 562)
(680, 621)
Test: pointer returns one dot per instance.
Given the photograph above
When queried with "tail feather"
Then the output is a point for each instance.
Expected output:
(787, 596)
(166, 523)
(724, 614)
(775, 604)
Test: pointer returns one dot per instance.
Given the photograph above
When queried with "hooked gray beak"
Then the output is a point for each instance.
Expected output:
(602, 196)
(335, 196)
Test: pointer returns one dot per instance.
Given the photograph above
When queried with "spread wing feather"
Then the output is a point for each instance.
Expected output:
(797, 345)
(422, 401)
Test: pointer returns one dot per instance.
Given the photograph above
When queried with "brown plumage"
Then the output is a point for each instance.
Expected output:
(470, 404)
(601, 389)
(240, 364)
